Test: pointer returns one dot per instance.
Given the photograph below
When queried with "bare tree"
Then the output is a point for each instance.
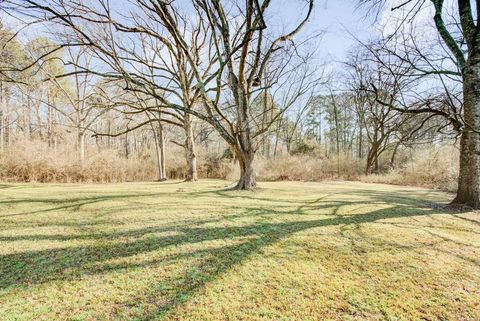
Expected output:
(462, 41)
(377, 90)
(234, 64)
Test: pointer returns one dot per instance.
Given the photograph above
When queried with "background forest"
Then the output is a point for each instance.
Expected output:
(83, 129)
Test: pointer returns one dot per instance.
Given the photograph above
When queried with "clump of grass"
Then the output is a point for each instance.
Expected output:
(183, 251)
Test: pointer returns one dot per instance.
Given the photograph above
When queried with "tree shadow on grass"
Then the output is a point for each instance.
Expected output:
(75, 203)
(39, 267)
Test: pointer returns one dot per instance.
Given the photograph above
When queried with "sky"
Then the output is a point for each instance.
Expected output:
(333, 17)
(337, 19)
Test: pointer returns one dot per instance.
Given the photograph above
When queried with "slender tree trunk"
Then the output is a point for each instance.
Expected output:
(109, 130)
(26, 117)
(49, 119)
(394, 155)
(191, 157)
(161, 145)
(2, 112)
(319, 127)
(288, 144)
(6, 118)
(337, 136)
(81, 147)
(360, 143)
(468, 192)
(264, 122)
(126, 146)
(277, 136)
(269, 148)
(161, 174)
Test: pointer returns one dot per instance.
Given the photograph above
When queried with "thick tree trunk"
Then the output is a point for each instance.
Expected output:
(372, 160)
(468, 192)
(248, 178)
(191, 157)
(243, 144)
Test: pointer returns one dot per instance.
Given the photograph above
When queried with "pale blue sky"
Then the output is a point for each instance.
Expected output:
(334, 17)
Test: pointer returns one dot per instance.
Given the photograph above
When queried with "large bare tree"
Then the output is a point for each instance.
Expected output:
(458, 29)
(233, 54)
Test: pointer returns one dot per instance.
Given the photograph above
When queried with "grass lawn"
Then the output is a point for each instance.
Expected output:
(183, 251)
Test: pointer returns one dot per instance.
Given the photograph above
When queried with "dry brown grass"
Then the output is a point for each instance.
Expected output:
(308, 168)
(435, 168)
(34, 161)
(28, 161)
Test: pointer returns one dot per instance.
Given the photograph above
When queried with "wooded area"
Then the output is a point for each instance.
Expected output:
(212, 76)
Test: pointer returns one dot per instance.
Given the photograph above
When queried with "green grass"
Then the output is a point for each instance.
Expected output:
(183, 251)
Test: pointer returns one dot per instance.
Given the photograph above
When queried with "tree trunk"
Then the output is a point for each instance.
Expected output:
(265, 120)
(372, 159)
(360, 143)
(394, 155)
(160, 151)
(109, 137)
(2, 128)
(161, 145)
(126, 146)
(6, 118)
(157, 151)
(191, 157)
(468, 179)
(277, 135)
(247, 179)
(49, 119)
(81, 147)
(2, 113)
(468, 192)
